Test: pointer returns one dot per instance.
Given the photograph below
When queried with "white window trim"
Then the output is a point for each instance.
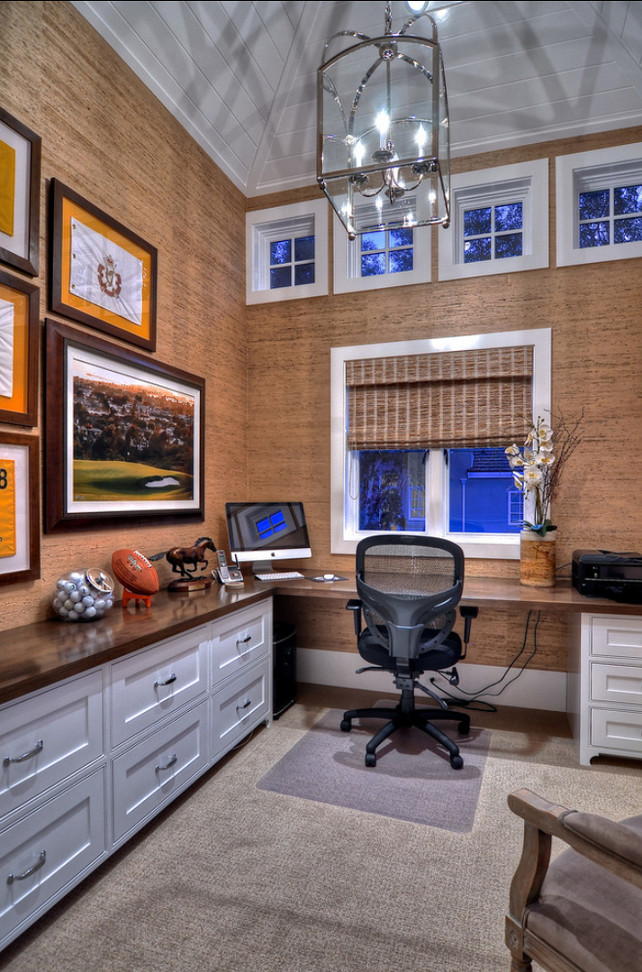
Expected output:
(343, 536)
(347, 263)
(264, 225)
(591, 170)
(526, 182)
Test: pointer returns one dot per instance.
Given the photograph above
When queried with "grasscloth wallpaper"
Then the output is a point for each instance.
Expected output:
(268, 366)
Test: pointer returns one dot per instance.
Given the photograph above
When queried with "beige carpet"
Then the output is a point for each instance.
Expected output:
(234, 878)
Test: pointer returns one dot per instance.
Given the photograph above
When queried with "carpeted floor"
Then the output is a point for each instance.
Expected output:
(236, 878)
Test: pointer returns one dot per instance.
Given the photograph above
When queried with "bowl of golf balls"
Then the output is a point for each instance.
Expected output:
(83, 595)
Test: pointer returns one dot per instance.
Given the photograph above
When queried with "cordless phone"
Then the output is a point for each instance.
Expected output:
(231, 576)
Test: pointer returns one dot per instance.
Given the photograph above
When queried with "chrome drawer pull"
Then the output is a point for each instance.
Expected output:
(20, 759)
(30, 870)
(243, 641)
(168, 681)
(244, 704)
(173, 759)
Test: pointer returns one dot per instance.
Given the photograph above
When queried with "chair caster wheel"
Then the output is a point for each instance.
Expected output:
(371, 759)
(456, 762)
(346, 725)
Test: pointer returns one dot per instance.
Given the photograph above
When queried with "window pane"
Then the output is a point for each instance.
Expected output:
(304, 248)
(402, 236)
(627, 199)
(594, 234)
(627, 230)
(477, 221)
(303, 273)
(508, 245)
(400, 260)
(594, 204)
(477, 250)
(373, 264)
(392, 490)
(373, 241)
(482, 496)
(281, 252)
(280, 277)
(508, 217)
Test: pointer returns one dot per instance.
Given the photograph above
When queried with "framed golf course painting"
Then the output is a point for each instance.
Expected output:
(124, 434)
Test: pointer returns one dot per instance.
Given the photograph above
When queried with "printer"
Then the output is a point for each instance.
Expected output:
(602, 573)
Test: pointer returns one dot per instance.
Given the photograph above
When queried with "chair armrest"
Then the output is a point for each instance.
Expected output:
(611, 845)
(355, 606)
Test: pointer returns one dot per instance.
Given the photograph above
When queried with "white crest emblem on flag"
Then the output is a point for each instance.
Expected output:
(105, 274)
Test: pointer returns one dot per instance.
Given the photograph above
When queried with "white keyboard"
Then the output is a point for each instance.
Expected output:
(279, 575)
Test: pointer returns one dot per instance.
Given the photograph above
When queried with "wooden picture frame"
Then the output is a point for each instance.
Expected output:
(19, 310)
(20, 153)
(102, 274)
(124, 435)
(19, 507)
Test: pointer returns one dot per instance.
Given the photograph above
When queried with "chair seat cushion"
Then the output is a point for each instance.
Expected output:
(433, 660)
(589, 915)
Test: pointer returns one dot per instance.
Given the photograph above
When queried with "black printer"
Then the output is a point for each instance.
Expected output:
(602, 573)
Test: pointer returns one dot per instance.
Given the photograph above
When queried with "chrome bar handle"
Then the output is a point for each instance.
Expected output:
(173, 759)
(244, 704)
(168, 681)
(243, 641)
(21, 759)
(30, 870)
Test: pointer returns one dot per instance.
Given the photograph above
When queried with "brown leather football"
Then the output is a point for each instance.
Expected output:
(134, 571)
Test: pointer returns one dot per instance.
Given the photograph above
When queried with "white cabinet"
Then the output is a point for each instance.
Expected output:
(605, 687)
(87, 762)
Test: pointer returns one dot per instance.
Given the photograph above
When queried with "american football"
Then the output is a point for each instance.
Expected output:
(134, 572)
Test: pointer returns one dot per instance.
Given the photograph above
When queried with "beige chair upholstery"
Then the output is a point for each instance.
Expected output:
(583, 912)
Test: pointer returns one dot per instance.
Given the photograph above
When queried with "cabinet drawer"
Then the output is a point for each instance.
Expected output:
(48, 736)
(615, 729)
(616, 683)
(152, 684)
(239, 706)
(49, 848)
(155, 770)
(240, 639)
(617, 637)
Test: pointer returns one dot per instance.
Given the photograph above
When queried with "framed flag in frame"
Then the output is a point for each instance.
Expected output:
(102, 274)
(20, 151)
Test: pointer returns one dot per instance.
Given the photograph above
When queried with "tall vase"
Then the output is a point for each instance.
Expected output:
(536, 559)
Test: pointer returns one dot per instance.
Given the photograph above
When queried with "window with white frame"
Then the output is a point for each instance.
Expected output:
(499, 221)
(599, 205)
(419, 430)
(395, 257)
(287, 252)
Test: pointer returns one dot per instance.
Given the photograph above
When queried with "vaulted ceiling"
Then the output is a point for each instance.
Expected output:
(240, 76)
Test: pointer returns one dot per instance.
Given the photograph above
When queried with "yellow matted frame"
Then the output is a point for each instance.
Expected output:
(19, 390)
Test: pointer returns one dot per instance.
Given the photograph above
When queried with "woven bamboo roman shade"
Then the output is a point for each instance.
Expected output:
(451, 399)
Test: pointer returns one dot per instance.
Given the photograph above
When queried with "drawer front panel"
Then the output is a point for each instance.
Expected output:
(155, 683)
(158, 768)
(617, 730)
(617, 637)
(48, 736)
(50, 847)
(241, 639)
(616, 683)
(240, 706)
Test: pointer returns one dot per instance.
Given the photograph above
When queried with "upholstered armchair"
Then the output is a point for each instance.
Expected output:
(583, 912)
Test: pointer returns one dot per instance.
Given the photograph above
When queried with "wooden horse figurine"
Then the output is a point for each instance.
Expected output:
(186, 560)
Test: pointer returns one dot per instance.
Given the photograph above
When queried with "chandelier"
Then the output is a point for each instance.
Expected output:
(383, 143)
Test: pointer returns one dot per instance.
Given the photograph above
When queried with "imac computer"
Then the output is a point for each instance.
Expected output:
(262, 533)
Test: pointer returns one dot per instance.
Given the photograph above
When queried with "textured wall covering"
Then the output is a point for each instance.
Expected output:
(106, 136)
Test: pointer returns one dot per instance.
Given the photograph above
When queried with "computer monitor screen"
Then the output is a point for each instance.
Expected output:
(261, 533)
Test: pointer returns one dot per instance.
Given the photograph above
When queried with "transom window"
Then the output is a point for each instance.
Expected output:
(611, 215)
(387, 251)
(292, 262)
(493, 232)
(287, 252)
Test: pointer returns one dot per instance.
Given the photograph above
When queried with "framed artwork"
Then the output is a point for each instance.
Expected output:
(18, 351)
(124, 435)
(19, 507)
(102, 274)
(20, 150)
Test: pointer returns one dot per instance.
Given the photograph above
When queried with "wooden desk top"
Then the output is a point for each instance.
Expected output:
(37, 655)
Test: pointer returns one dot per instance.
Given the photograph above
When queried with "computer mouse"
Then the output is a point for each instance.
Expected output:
(328, 576)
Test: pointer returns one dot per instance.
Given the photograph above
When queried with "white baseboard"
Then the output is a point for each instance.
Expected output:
(531, 690)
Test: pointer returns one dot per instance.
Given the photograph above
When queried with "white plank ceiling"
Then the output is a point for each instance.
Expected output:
(240, 76)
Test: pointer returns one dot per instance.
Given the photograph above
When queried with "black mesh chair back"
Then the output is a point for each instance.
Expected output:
(409, 589)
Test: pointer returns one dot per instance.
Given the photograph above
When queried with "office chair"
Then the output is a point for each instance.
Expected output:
(409, 588)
